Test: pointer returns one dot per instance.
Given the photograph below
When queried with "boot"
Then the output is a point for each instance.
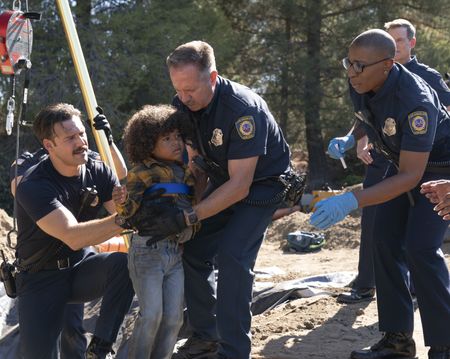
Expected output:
(196, 348)
(392, 345)
(99, 349)
(356, 295)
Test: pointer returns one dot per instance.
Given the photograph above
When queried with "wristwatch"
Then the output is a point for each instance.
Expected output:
(190, 216)
(121, 221)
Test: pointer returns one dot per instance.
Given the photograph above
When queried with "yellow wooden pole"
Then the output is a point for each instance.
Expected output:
(84, 79)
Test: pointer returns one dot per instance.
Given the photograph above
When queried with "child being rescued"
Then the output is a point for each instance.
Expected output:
(154, 144)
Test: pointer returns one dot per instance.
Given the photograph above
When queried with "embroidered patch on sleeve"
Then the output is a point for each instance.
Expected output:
(246, 127)
(418, 121)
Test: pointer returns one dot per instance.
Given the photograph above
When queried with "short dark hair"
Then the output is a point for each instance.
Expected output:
(197, 53)
(147, 125)
(43, 125)
(378, 40)
(410, 29)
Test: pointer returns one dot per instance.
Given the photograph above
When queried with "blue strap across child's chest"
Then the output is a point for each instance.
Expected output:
(171, 188)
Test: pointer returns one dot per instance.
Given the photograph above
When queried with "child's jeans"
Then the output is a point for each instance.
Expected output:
(158, 280)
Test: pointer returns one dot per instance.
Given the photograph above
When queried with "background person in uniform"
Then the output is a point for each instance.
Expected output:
(153, 140)
(404, 34)
(407, 232)
(237, 132)
(73, 340)
(54, 227)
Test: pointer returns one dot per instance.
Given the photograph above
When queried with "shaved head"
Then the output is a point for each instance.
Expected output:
(376, 40)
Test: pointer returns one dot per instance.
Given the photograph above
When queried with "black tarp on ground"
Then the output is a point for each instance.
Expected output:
(266, 296)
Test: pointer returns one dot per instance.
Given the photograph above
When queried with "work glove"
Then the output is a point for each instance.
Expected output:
(100, 122)
(334, 209)
(339, 145)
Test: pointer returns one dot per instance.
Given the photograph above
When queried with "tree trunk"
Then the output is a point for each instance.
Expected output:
(284, 93)
(313, 97)
(83, 13)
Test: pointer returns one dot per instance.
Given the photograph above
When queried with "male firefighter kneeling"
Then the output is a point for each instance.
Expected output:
(58, 200)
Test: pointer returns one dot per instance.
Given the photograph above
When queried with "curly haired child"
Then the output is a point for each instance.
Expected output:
(153, 142)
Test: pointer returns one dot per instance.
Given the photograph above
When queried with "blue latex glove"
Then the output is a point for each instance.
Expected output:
(339, 145)
(334, 209)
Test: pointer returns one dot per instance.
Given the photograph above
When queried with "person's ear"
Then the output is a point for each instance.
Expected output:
(388, 64)
(412, 43)
(213, 77)
(47, 144)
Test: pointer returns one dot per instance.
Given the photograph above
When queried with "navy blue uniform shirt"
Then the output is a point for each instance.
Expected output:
(408, 115)
(237, 124)
(432, 77)
(43, 190)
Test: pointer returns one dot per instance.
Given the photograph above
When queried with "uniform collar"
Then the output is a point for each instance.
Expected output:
(389, 83)
(412, 61)
(213, 102)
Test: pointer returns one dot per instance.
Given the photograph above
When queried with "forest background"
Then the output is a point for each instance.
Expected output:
(289, 51)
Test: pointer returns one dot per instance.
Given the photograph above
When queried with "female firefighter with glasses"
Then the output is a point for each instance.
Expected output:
(405, 121)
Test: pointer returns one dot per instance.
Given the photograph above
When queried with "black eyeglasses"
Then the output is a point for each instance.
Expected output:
(359, 67)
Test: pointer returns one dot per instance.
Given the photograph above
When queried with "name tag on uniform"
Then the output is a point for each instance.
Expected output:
(418, 121)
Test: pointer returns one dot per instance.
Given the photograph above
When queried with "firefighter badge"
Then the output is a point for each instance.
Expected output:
(389, 128)
(217, 137)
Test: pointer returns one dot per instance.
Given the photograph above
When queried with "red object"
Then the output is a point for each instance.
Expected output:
(15, 40)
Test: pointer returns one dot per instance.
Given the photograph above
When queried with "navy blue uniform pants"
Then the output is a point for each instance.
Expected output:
(234, 236)
(43, 298)
(375, 173)
(73, 340)
(410, 237)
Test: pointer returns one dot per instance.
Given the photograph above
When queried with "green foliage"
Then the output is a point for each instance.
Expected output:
(289, 51)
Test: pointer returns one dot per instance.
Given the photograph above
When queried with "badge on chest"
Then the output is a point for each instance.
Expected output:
(389, 128)
(217, 137)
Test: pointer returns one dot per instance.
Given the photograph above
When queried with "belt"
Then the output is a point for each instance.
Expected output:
(57, 264)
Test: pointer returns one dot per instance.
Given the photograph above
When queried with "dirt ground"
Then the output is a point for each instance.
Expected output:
(316, 327)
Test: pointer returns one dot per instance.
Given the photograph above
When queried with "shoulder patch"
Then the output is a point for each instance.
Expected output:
(418, 121)
(444, 85)
(246, 127)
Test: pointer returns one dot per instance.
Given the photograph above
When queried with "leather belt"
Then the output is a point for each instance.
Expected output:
(57, 264)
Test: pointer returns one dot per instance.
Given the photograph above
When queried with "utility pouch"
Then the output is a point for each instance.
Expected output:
(295, 183)
(8, 277)
(87, 195)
